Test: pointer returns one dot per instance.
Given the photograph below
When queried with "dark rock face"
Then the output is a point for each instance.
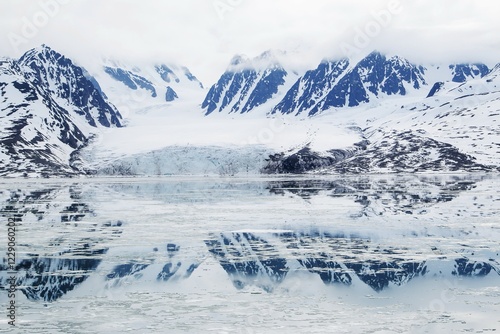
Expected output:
(131, 80)
(410, 152)
(436, 88)
(463, 72)
(297, 163)
(374, 74)
(335, 84)
(311, 88)
(170, 95)
(395, 151)
(166, 73)
(190, 76)
(245, 86)
(306, 160)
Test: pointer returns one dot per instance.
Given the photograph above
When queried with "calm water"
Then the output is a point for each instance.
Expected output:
(380, 254)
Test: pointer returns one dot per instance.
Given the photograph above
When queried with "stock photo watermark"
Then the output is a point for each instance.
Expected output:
(223, 7)
(31, 25)
(363, 35)
(437, 306)
(267, 133)
(11, 272)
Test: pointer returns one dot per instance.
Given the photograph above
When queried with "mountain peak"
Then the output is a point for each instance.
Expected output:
(36, 57)
(375, 54)
(267, 59)
(462, 72)
(45, 67)
(271, 55)
(238, 59)
(372, 59)
(60, 111)
(43, 49)
(246, 84)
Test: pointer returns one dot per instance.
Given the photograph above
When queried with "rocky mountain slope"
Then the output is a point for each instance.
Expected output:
(247, 84)
(50, 109)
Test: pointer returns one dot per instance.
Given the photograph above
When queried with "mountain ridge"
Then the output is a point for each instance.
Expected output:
(55, 114)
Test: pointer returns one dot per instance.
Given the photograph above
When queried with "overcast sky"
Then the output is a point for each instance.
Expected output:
(205, 34)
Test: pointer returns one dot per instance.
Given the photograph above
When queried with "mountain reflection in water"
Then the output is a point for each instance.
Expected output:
(142, 231)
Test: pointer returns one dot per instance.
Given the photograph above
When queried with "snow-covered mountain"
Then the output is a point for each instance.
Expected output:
(50, 109)
(67, 83)
(379, 114)
(405, 124)
(138, 85)
(337, 84)
(450, 125)
(349, 86)
(247, 84)
(312, 88)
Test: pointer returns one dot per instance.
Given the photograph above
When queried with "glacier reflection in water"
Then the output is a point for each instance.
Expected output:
(237, 252)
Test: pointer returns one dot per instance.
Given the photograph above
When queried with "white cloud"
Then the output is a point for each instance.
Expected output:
(205, 34)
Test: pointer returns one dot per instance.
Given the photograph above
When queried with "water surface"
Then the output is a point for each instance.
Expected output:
(255, 255)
